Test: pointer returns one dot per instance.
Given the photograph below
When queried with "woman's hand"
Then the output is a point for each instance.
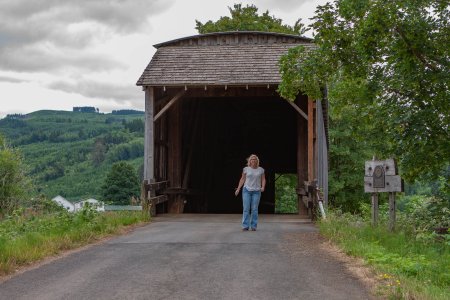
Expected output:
(236, 192)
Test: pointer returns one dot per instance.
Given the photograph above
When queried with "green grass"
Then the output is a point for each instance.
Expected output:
(24, 240)
(407, 268)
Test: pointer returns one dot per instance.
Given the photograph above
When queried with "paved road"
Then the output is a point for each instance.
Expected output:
(196, 257)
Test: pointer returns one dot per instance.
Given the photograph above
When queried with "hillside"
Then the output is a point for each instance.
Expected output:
(69, 153)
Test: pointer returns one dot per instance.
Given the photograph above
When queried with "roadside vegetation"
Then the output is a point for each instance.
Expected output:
(33, 228)
(45, 229)
(413, 262)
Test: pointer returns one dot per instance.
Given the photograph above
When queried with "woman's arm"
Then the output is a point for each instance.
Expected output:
(263, 182)
(241, 183)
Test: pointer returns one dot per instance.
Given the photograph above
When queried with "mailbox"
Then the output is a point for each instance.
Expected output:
(381, 176)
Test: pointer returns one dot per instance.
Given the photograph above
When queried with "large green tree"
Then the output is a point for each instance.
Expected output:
(247, 19)
(121, 184)
(395, 56)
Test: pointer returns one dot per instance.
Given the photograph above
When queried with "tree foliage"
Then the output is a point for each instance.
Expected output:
(247, 19)
(395, 55)
(120, 184)
(14, 183)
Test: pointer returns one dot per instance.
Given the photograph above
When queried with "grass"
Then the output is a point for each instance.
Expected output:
(407, 268)
(24, 240)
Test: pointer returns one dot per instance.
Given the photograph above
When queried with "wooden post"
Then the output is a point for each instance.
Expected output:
(302, 158)
(374, 209)
(176, 202)
(149, 149)
(392, 206)
(310, 139)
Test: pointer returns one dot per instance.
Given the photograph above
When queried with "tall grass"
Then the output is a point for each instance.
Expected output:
(409, 267)
(27, 239)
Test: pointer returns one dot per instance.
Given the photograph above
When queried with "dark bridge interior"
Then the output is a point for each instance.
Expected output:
(222, 133)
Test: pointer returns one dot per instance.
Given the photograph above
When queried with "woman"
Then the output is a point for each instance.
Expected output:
(254, 182)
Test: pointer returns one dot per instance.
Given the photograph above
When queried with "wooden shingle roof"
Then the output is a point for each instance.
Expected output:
(228, 58)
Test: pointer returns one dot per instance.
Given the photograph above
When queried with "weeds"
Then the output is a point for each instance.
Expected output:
(413, 262)
(28, 237)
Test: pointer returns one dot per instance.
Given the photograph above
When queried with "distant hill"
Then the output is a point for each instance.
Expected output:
(69, 153)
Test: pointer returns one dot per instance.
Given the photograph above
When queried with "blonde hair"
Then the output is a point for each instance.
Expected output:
(253, 156)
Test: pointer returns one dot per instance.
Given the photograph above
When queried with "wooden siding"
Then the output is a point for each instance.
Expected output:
(236, 38)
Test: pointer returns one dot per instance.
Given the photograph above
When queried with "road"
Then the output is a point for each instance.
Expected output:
(196, 257)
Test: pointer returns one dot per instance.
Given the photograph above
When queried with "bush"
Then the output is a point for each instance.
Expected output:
(14, 184)
(424, 216)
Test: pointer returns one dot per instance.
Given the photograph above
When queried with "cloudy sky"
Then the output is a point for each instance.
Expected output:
(56, 54)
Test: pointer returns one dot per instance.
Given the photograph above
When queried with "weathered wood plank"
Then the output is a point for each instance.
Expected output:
(159, 199)
(392, 184)
(310, 139)
(374, 210)
(301, 112)
(168, 105)
(149, 134)
(389, 165)
(392, 211)
(155, 186)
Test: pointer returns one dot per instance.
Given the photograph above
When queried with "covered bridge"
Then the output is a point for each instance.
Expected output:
(210, 102)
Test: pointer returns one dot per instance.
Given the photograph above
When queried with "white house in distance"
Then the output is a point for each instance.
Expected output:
(64, 203)
(72, 207)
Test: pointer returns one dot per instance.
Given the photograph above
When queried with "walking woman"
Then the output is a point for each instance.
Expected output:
(253, 181)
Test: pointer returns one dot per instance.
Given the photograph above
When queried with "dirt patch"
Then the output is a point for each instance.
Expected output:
(64, 253)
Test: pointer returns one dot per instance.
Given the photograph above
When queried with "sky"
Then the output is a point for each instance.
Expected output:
(59, 54)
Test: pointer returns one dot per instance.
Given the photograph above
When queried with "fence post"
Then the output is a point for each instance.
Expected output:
(392, 211)
(374, 209)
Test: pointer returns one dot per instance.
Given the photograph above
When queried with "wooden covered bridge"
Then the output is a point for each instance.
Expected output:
(211, 101)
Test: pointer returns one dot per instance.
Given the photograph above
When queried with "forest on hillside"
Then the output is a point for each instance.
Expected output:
(69, 153)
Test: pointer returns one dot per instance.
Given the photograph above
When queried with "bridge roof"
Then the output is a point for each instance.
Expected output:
(226, 58)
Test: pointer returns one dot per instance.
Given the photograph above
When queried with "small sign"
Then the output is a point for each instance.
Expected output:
(378, 177)
(381, 176)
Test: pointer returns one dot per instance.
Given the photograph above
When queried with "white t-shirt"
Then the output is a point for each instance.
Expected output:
(253, 178)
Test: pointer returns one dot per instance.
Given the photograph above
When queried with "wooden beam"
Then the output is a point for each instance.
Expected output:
(301, 112)
(310, 139)
(149, 134)
(154, 186)
(158, 199)
(168, 105)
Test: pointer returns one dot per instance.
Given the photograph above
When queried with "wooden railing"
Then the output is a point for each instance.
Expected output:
(150, 197)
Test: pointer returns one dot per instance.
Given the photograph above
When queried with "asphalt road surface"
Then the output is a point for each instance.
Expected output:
(196, 257)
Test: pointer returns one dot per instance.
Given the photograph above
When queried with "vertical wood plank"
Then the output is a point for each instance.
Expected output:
(311, 119)
(392, 212)
(149, 134)
(176, 202)
(302, 157)
(374, 209)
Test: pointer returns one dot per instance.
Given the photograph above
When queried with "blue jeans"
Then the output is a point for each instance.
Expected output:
(250, 201)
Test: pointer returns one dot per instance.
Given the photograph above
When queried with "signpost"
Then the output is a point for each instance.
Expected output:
(381, 177)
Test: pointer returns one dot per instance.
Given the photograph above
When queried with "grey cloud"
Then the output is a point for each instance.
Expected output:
(284, 5)
(11, 79)
(100, 90)
(55, 24)
(35, 59)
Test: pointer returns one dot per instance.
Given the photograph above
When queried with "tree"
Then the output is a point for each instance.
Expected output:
(14, 183)
(396, 54)
(98, 152)
(121, 184)
(247, 19)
